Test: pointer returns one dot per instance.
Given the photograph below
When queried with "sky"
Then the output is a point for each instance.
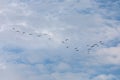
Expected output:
(26, 52)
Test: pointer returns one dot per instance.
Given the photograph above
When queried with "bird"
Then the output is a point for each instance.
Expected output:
(101, 42)
(63, 42)
(75, 48)
(49, 38)
(89, 50)
(66, 39)
(67, 47)
(45, 34)
(39, 35)
(92, 46)
(30, 34)
(23, 32)
(17, 31)
(13, 28)
(96, 45)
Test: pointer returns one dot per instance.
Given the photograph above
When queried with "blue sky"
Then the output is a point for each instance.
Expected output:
(83, 22)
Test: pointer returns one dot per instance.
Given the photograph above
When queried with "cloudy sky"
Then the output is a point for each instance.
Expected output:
(26, 52)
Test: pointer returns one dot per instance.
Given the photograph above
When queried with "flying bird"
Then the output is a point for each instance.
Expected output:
(30, 34)
(89, 50)
(13, 28)
(49, 38)
(101, 42)
(66, 39)
(63, 42)
(75, 48)
(92, 46)
(96, 45)
(39, 35)
(67, 47)
(23, 32)
(17, 31)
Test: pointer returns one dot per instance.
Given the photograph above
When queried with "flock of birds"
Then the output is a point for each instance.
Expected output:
(90, 47)
(94, 46)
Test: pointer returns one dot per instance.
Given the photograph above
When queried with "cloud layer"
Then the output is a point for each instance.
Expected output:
(83, 22)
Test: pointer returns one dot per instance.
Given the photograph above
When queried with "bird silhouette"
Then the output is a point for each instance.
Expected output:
(39, 35)
(13, 28)
(96, 45)
(23, 32)
(67, 47)
(77, 50)
(63, 42)
(101, 42)
(49, 38)
(30, 34)
(66, 39)
(17, 31)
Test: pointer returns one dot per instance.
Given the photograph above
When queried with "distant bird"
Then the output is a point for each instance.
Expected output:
(30, 34)
(17, 31)
(92, 46)
(66, 39)
(63, 42)
(101, 42)
(89, 50)
(49, 38)
(67, 47)
(77, 50)
(96, 45)
(23, 32)
(39, 35)
(13, 28)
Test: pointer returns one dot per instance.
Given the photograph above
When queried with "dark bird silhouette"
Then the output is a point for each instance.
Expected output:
(39, 35)
(67, 47)
(63, 42)
(92, 46)
(89, 50)
(66, 39)
(96, 45)
(23, 32)
(49, 38)
(17, 31)
(13, 28)
(101, 42)
(75, 48)
(30, 34)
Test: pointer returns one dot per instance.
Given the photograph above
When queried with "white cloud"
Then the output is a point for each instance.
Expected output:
(49, 59)
(63, 67)
(109, 55)
(105, 77)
